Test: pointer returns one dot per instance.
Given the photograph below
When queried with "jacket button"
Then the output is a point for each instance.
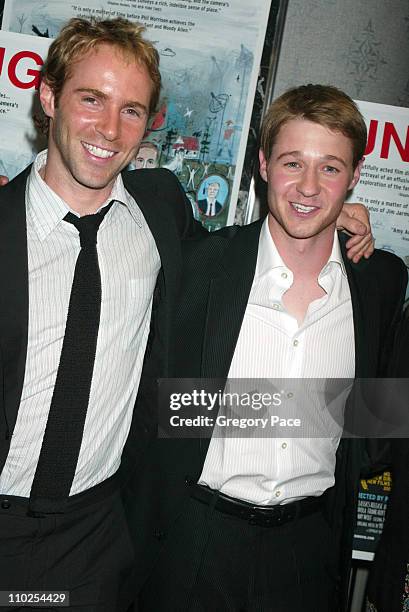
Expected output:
(159, 535)
(5, 504)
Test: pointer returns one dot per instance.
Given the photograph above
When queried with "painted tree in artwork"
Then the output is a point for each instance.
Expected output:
(204, 144)
(170, 135)
(21, 21)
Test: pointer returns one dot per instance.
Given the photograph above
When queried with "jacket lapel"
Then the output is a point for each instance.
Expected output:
(167, 237)
(365, 308)
(228, 296)
(14, 295)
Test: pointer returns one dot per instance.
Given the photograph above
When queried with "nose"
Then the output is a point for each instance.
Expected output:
(109, 124)
(308, 184)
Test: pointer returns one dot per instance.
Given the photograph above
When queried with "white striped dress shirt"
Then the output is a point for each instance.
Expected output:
(271, 345)
(129, 263)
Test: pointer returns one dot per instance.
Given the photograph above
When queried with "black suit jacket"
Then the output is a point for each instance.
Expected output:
(218, 273)
(169, 216)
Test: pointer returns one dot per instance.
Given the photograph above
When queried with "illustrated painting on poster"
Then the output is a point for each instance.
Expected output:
(209, 63)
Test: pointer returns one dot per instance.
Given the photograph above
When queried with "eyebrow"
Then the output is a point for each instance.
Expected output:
(100, 94)
(324, 158)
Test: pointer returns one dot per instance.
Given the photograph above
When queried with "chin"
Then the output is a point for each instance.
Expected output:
(304, 233)
(97, 182)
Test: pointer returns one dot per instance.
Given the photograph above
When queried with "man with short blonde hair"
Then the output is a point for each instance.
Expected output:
(260, 520)
(84, 245)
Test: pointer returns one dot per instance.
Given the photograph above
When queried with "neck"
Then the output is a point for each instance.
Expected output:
(305, 257)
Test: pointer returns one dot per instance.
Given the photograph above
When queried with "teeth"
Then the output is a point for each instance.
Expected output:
(303, 209)
(104, 153)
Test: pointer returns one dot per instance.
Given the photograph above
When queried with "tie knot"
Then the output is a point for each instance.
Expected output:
(88, 225)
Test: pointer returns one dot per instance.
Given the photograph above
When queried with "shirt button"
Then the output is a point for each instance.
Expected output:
(290, 395)
(284, 275)
(276, 306)
(277, 493)
(5, 504)
(295, 343)
(284, 445)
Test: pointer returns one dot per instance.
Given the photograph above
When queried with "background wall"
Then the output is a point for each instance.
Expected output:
(360, 46)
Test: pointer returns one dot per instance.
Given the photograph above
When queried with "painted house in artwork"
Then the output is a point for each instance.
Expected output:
(189, 144)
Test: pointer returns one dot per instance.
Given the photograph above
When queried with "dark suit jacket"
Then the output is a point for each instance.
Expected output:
(217, 277)
(169, 216)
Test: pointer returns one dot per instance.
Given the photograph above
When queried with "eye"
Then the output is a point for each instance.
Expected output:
(292, 164)
(331, 170)
(134, 112)
(89, 100)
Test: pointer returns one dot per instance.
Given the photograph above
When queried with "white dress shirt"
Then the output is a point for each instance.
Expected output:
(129, 263)
(271, 345)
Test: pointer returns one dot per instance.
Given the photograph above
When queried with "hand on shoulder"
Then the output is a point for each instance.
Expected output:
(354, 219)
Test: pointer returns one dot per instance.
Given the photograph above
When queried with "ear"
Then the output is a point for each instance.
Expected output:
(263, 165)
(47, 99)
(357, 174)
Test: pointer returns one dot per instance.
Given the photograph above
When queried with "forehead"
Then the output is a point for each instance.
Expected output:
(310, 138)
(108, 63)
(99, 54)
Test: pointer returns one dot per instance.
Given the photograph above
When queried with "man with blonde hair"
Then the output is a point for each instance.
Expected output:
(259, 519)
(82, 247)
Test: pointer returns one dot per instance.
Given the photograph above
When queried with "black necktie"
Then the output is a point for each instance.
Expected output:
(63, 434)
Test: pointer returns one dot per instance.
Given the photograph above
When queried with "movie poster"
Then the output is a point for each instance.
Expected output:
(21, 59)
(372, 503)
(210, 53)
(384, 183)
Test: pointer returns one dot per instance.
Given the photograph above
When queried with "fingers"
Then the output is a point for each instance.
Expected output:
(360, 212)
(354, 219)
(355, 227)
(360, 246)
(3, 180)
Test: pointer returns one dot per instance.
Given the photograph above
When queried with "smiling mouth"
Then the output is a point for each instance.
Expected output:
(97, 151)
(301, 208)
